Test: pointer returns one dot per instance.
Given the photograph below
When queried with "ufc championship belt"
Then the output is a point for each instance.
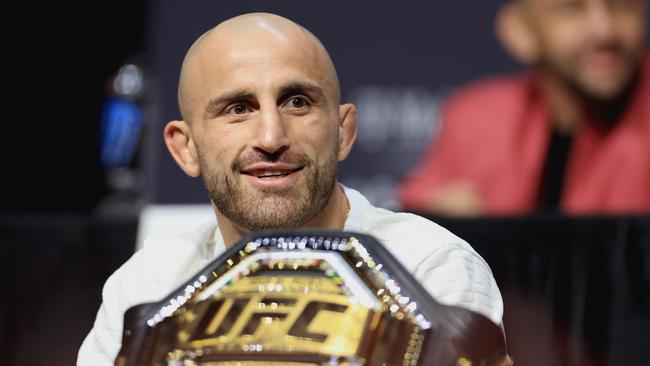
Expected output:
(306, 298)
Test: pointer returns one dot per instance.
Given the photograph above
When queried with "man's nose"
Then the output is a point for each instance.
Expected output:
(601, 20)
(271, 136)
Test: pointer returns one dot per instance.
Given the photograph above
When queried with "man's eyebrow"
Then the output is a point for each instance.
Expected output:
(225, 98)
(291, 88)
(302, 87)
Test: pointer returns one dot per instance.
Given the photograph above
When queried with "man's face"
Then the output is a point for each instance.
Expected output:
(265, 126)
(595, 45)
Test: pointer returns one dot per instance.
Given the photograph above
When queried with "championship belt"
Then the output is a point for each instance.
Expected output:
(306, 298)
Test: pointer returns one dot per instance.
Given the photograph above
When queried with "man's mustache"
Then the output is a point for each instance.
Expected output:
(285, 157)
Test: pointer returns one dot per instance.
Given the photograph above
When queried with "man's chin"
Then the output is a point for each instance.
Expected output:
(602, 88)
(607, 82)
(271, 196)
(602, 94)
(608, 86)
(277, 215)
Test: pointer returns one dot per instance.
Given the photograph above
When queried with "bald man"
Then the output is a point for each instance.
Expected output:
(264, 127)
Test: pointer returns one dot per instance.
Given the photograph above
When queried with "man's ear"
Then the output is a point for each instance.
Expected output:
(347, 129)
(515, 32)
(178, 139)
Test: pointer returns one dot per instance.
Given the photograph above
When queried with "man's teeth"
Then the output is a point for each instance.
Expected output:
(271, 174)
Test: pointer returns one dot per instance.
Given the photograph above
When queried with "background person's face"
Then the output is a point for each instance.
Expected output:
(595, 45)
(268, 150)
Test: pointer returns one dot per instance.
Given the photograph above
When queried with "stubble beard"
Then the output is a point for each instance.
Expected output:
(257, 209)
(569, 70)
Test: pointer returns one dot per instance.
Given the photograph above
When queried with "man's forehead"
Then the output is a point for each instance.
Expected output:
(248, 49)
(260, 80)
(258, 65)
(253, 43)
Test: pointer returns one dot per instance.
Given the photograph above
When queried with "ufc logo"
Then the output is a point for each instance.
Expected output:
(259, 316)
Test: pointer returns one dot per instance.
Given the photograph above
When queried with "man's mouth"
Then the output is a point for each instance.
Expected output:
(270, 170)
(271, 174)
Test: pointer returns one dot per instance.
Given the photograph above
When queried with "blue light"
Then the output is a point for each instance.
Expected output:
(120, 132)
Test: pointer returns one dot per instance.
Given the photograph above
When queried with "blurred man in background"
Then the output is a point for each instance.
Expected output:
(573, 134)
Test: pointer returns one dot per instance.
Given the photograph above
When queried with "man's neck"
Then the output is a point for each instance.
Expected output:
(566, 109)
(332, 216)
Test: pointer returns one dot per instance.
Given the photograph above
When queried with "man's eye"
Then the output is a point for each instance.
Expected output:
(298, 102)
(237, 109)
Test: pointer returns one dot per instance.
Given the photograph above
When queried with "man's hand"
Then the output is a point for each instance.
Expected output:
(458, 198)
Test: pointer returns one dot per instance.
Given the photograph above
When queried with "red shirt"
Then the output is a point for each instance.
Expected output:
(495, 134)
